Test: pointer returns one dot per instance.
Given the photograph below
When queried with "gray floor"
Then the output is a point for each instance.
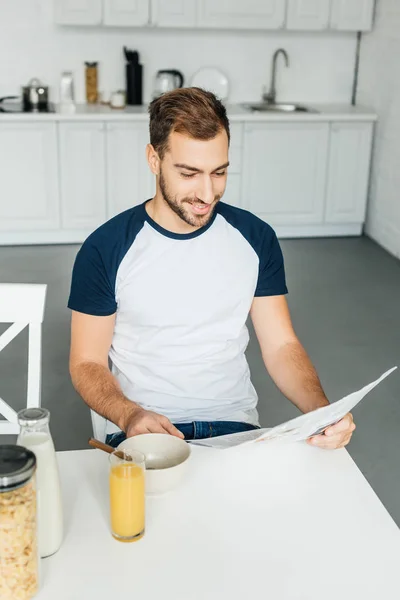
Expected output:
(344, 296)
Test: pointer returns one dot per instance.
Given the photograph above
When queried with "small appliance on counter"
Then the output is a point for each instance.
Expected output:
(34, 98)
(134, 78)
(167, 80)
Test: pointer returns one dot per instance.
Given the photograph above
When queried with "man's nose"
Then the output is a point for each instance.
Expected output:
(206, 191)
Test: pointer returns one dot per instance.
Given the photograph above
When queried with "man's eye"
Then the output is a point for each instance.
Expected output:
(187, 175)
(220, 173)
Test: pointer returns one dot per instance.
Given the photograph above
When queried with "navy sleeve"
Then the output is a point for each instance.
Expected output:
(271, 274)
(92, 291)
(96, 265)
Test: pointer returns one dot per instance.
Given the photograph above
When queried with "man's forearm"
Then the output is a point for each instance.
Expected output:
(101, 392)
(294, 374)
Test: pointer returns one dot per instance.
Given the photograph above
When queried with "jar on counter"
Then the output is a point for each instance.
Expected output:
(19, 561)
(91, 82)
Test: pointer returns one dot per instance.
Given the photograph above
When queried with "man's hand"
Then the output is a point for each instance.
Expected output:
(335, 436)
(146, 421)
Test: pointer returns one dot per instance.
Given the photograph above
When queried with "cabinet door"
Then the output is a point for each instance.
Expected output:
(129, 179)
(348, 172)
(233, 191)
(237, 14)
(82, 175)
(308, 14)
(126, 13)
(352, 15)
(284, 171)
(174, 13)
(29, 177)
(78, 12)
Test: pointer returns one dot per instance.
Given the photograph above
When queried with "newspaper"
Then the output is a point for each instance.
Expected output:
(300, 428)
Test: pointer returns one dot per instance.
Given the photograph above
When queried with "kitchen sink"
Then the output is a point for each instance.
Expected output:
(284, 108)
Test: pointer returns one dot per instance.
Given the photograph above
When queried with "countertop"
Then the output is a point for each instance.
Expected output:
(236, 112)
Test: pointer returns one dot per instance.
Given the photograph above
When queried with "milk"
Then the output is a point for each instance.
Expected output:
(50, 514)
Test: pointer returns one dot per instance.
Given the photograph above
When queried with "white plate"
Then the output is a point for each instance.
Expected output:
(212, 80)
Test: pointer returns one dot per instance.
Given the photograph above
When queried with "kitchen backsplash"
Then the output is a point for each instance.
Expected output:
(31, 45)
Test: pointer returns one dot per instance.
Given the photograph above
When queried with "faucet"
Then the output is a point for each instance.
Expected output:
(270, 97)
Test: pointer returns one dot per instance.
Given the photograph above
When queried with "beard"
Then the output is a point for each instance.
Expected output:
(181, 208)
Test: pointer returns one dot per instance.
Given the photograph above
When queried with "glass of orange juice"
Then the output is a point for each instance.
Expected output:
(127, 495)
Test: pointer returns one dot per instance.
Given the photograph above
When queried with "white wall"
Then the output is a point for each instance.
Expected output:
(31, 46)
(379, 87)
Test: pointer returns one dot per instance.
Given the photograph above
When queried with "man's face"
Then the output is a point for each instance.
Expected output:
(193, 176)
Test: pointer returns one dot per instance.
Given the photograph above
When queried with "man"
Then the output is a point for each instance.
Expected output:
(163, 290)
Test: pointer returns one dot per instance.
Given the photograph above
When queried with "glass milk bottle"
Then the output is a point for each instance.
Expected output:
(35, 435)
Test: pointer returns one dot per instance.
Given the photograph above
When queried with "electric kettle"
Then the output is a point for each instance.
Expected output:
(167, 80)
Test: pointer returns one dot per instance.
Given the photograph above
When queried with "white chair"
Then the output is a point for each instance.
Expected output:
(22, 304)
(99, 426)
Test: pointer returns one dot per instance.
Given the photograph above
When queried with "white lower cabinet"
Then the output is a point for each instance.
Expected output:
(284, 171)
(348, 172)
(82, 175)
(60, 181)
(29, 179)
(129, 179)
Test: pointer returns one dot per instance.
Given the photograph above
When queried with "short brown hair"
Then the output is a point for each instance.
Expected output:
(191, 111)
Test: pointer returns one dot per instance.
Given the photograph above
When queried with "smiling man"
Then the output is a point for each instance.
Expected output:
(161, 294)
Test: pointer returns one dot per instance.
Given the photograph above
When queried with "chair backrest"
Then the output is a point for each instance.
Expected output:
(22, 304)
(99, 426)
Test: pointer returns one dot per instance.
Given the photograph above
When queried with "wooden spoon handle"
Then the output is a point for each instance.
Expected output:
(96, 444)
(106, 448)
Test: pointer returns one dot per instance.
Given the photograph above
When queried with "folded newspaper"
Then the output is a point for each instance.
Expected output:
(300, 428)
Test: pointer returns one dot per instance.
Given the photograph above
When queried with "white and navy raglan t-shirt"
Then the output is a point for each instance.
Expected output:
(181, 304)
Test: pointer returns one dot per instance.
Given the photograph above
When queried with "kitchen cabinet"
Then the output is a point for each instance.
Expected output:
(284, 171)
(29, 188)
(308, 14)
(78, 12)
(237, 14)
(129, 179)
(126, 13)
(233, 191)
(82, 175)
(352, 15)
(174, 13)
(348, 172)
(64, 175)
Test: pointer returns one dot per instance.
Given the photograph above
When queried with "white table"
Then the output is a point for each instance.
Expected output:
(281, 522)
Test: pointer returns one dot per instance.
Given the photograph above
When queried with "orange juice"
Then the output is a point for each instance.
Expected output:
(127, 501)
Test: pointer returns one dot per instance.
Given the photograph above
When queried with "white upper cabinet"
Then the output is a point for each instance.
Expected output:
(348, 169)
(352, 15)
(308, 14)
(126, 13)
(78, 12)
(174, 13)
(242, 14)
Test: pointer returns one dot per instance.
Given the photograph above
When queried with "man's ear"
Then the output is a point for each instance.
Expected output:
(153, 159)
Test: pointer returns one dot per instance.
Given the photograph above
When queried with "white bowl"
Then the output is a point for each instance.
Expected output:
(166, 459)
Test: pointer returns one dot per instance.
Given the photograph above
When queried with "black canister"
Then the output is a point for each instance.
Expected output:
(134, 78)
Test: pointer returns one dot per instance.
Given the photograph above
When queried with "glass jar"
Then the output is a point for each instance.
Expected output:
(35, 435)
(19, 564)
(91, 82)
